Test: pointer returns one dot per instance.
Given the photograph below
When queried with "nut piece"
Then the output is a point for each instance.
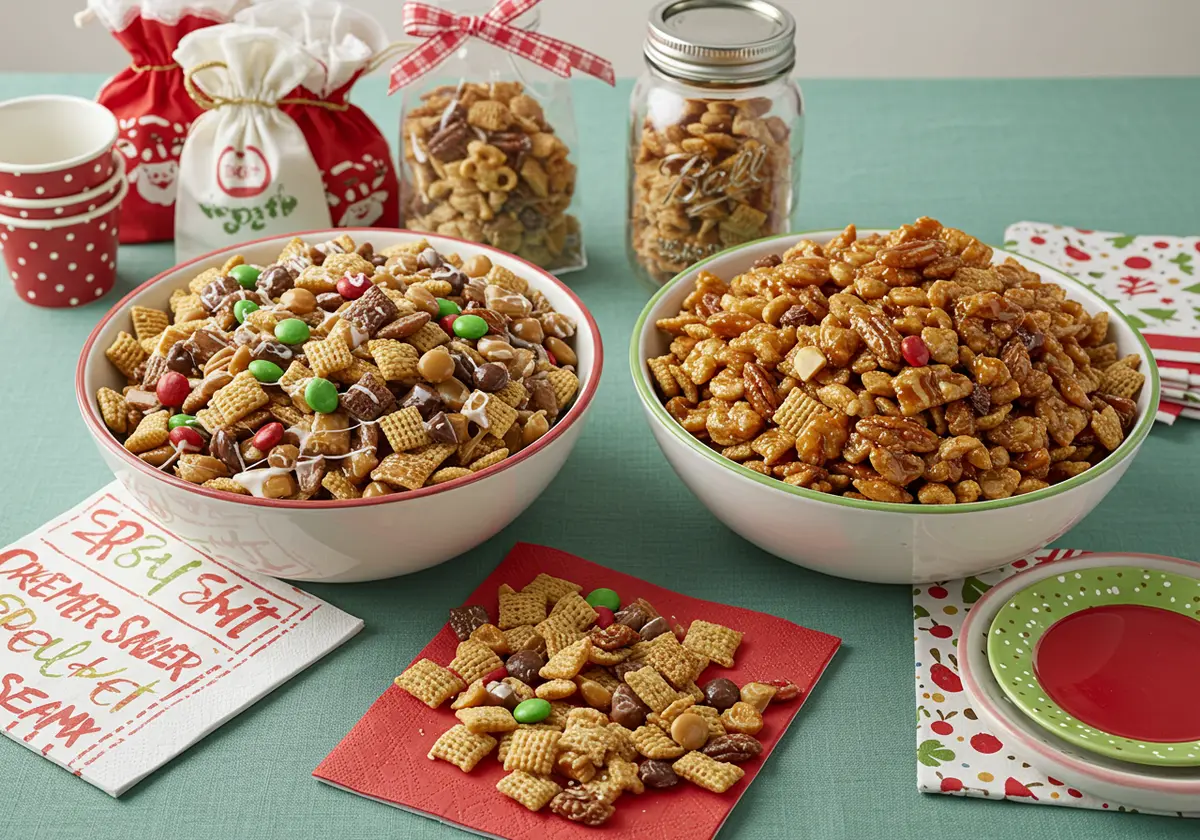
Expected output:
(733, 748)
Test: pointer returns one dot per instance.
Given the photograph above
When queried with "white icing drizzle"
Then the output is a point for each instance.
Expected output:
(254, 480)
(359, 387)
(475, 409)
(357, 336)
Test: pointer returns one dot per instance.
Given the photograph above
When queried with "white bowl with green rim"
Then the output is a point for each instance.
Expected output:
(1108, 659)
(877, 541)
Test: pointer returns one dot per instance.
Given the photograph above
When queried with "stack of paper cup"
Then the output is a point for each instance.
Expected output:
(61, 187)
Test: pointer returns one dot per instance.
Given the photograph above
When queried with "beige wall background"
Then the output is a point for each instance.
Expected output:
(864, 38)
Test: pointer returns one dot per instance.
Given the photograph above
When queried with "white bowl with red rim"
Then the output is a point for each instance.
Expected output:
(342, 540)
(53, 146)
(879, 542)
(1171, 789)
(67, 260)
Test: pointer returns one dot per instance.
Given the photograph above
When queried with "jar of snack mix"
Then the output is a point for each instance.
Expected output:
(716, 132)
(489, 151)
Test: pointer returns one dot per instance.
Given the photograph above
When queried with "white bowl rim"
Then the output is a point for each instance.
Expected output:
(1142, 777)
(69, 163)
(99, 431)
(650, 400)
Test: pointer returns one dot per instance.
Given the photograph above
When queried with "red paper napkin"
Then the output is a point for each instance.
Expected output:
(384, 755)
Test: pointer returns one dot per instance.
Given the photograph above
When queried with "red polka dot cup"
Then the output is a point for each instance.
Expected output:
(68, 205)
(55, 146)
(66, 261)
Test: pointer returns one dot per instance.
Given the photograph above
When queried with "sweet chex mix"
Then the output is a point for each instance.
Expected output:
(339, 372)
(897, 367)
(611, 707)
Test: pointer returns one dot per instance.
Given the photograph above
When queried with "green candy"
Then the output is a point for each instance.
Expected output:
(245, 275)
(447, 307)
(604, 598)
(470, 326)
(321, 395)
(243, 308)
(265, 370)
(532, 711)
(178, 420)
(292, 331)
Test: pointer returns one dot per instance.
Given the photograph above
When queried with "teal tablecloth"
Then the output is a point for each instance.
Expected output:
(1116, 155)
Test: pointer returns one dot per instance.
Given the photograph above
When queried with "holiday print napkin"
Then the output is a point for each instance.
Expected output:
(121, 645)
(1152, 279)
(956, 753)
(384, 755)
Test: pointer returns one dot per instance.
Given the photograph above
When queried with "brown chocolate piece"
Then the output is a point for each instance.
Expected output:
(721, 693)
(627, 708)
(203, 345)
(368, 398)
(371, 311)
(424, 399)
(654, 628)
(223, 446)
(441, 430)
(491, 377)
(274, 351)
(179, 359)
(524, 665)
(329, 301)
(214, 294)
(310, 472)
(466, 620)
(657, 773)
(275, 280)
(634, 616)
(143, 400)
(502, 694)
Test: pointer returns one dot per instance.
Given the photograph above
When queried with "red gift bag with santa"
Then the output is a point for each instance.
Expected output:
(360, 180)
(148, 99)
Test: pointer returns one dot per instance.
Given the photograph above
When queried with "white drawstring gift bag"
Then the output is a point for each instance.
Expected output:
(246, 171)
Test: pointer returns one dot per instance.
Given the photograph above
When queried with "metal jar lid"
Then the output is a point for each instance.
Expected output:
(721, 41)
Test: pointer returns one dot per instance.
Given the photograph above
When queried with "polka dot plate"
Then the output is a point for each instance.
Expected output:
(1108, 659)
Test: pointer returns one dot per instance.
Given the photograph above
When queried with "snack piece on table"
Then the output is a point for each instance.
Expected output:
(899, 367)
(342, 375)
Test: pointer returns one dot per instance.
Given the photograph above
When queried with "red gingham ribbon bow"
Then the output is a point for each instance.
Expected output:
(446, 31)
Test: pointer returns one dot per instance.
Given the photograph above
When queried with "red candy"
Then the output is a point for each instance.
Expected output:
(604, 616)
(186, 438)
(550, 356)
(495, 676)
(914, 350)
(352, 287)
(268, 436)
(173, 388)
(447, 323)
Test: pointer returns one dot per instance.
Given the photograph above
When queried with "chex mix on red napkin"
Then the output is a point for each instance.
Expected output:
(956, 752)
(1152, 279)
(387, 755)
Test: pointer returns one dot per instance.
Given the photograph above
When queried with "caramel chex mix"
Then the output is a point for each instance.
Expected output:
(902, 367)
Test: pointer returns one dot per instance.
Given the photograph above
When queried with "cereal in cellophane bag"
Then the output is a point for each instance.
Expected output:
(488, 138)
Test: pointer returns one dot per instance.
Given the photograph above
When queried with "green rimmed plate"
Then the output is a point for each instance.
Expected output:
(1107, 659)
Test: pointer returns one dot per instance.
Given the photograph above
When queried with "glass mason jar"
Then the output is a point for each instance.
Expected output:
(716, 132)
(488, 152)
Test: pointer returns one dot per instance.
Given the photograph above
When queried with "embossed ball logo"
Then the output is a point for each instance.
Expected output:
(243, 173)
